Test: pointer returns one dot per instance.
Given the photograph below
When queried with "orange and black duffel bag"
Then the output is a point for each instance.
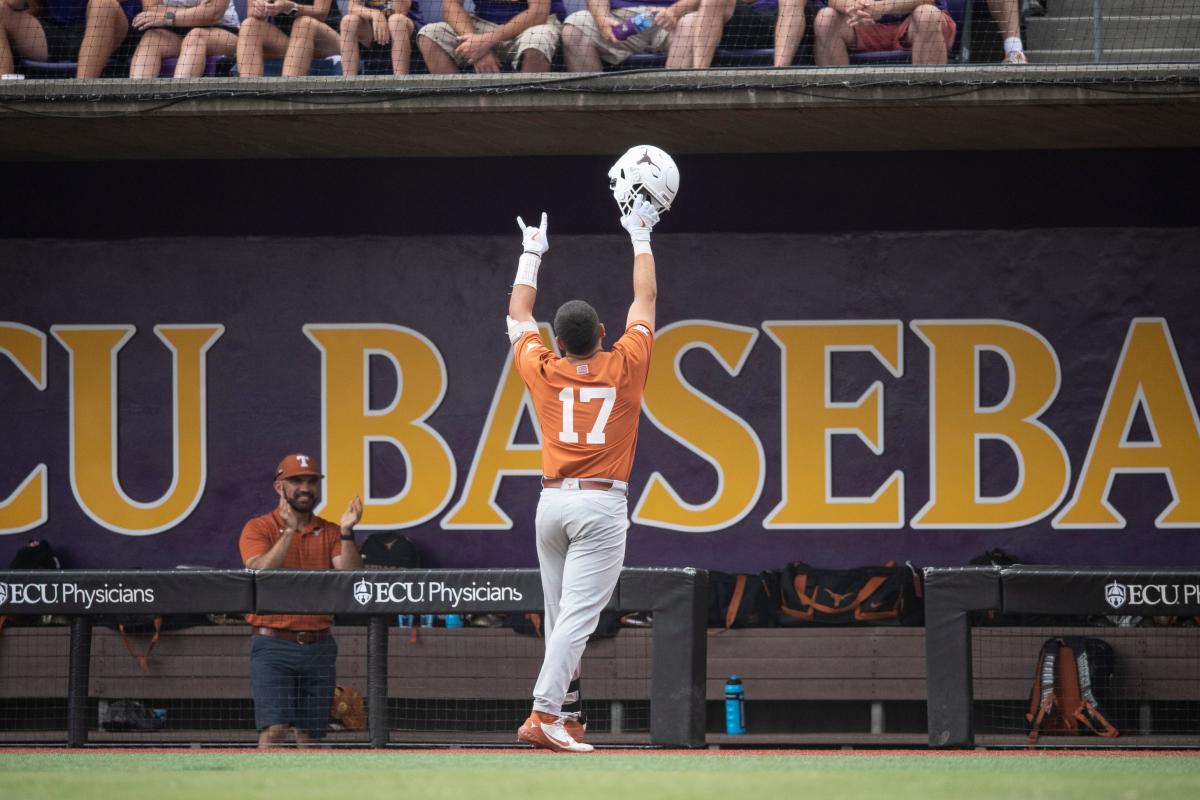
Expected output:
(861, 596)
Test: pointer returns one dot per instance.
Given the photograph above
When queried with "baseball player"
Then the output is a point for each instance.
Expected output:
(587, 403)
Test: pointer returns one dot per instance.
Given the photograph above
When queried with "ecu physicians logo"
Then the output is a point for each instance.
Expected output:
(362, 592)
(1116, 594)
(3, 593)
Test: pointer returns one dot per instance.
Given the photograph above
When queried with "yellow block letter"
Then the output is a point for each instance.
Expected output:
(26, 507)
(497, 454)
(958, 424)
(709, 430)
(810, 419)
(349, 425)
(93, 390)
(1149, 376)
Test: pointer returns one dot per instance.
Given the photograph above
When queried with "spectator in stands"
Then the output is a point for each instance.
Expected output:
(922, 26)
(524, 33)
(1007, 14)
(757, 24)
(20, 32)
(295, 32)
(292, 656)
(589, 41)
(379, 25)
(86, 32)
(189, 30)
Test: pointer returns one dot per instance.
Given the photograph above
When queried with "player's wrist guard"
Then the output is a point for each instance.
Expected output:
(641, 242)
(640, 220)
(527, 269)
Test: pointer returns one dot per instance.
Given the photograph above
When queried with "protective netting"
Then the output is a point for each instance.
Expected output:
(197, 684)
(254, 38)
(1142, 673)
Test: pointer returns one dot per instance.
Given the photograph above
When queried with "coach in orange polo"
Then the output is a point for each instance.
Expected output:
(292, 656)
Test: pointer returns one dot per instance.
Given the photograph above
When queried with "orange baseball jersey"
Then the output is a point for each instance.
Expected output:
(313, 548)
(588, 410)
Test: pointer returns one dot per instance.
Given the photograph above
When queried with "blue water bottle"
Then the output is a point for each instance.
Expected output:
(735, 706)
(635, 24)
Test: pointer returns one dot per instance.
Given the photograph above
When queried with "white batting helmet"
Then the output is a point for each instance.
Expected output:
(644, 169)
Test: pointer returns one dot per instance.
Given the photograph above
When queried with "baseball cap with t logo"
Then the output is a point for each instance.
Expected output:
(296, 465)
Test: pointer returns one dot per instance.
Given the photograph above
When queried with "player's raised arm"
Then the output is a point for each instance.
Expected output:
(644, 182)
(640, 222)
(524, 290)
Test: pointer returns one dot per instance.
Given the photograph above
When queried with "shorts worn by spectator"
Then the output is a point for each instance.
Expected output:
(378, 25)
(294, 31)
(922, 26)
(589, 42)
(744, 24)
(187, 30)
(87, 32)
(292, 656)
(525, 33)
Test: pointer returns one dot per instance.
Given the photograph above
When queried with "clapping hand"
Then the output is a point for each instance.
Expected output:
(352, 517)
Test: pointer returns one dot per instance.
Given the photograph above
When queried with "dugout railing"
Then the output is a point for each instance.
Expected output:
(1061, 601)
(676, 599)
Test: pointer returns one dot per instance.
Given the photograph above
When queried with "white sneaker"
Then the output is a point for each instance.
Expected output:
(550, 736)
(1015, 58)
(558, 738)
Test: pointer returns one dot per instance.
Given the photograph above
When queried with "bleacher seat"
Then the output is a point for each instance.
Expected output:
(31, 68)
(213, 66)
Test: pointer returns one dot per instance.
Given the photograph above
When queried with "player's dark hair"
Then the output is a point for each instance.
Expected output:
(577, 324)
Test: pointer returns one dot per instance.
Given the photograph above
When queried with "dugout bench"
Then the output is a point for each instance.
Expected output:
(819, 686)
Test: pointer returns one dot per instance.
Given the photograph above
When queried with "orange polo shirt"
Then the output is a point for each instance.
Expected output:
(588, 410)
(313, 548)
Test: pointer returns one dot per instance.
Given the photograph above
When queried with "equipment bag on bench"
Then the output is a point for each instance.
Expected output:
(812, 596)
(1072, 674)
(742, 601)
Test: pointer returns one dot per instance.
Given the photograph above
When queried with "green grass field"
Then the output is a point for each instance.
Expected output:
(357, 775)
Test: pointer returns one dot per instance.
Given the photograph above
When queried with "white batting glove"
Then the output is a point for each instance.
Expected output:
(536, 243)
(534, 240)
(640, 220)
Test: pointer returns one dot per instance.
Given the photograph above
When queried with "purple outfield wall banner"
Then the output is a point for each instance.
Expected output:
(841, 400)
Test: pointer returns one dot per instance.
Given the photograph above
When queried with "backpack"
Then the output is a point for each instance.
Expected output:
(743, 601)
(390, 550)
(886, 594)
(1072, 675)
(130, 715)
(530, 624)
(152, 625)
(36, 554)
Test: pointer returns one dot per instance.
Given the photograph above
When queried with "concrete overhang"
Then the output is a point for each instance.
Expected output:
(727, 111)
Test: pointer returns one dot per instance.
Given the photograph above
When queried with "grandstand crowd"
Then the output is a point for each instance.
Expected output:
(253, 38)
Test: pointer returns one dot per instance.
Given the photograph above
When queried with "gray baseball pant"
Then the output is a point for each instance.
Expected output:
(581, 548)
